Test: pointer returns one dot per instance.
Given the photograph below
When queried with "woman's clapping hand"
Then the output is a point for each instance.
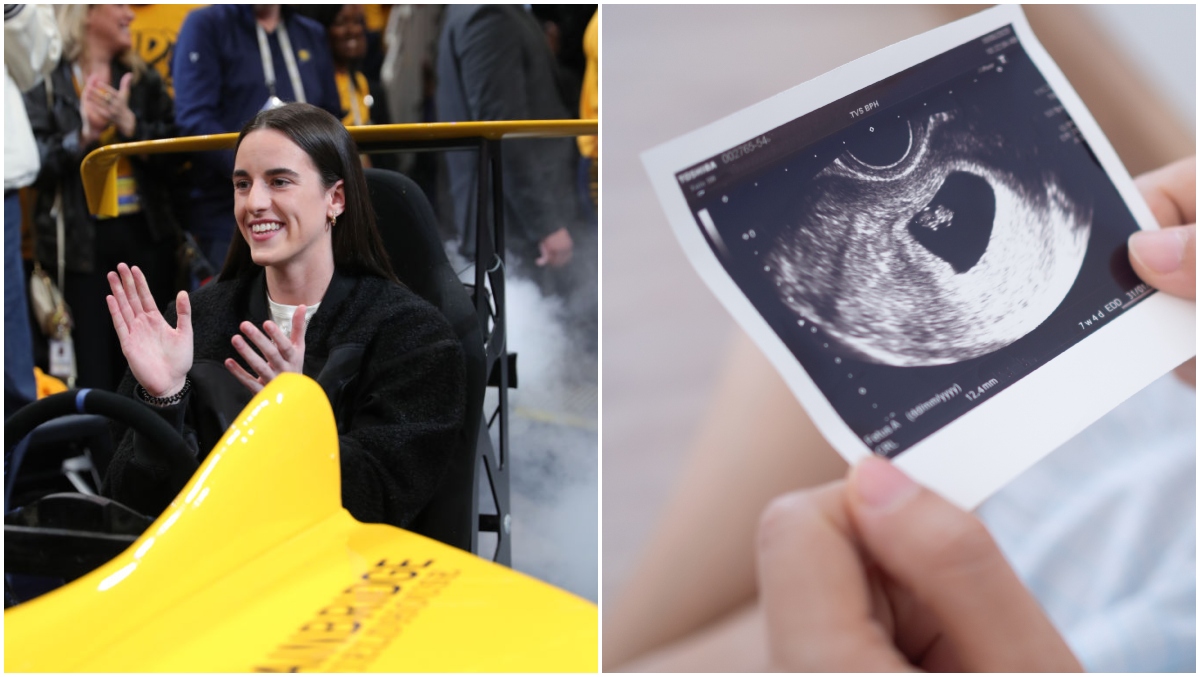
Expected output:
(277, 352)
(159, 355)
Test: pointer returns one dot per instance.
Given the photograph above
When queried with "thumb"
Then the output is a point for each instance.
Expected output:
(183, 308)
(816, 594)
(545, 254)
(126, 83)
(297, 336)
(948, 561)
(1166, 259)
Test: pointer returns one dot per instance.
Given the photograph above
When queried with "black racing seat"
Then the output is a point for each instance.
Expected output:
(409, 230)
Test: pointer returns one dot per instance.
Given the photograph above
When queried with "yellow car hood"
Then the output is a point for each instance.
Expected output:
(255, 566)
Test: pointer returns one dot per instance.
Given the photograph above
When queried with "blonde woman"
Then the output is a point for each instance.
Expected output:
(101, 93)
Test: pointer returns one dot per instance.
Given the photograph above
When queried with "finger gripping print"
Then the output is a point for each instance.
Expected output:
(929, 241)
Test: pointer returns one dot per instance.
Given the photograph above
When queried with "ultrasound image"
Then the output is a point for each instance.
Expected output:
(924, 243)
(929, 240)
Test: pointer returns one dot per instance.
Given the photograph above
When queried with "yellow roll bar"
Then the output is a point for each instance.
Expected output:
(99, 168)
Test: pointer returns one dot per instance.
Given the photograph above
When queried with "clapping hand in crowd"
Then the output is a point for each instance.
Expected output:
(101, 106)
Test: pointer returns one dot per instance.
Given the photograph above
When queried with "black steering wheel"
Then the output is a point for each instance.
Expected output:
(66, 535)
(163, 437)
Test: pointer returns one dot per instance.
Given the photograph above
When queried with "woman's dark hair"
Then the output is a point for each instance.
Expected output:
(357, 246)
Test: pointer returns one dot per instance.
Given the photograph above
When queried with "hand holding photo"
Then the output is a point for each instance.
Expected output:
(929, 244)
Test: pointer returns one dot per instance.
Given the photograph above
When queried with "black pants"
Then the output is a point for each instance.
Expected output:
(125, 239)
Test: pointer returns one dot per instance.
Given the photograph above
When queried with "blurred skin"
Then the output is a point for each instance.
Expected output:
(871, 572)
(555, 249)
(876, 573)
(348, 36)
(106, 35)
(108, 27)
(267, 16)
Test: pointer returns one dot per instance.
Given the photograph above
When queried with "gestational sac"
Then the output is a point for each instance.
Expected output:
(947, 252)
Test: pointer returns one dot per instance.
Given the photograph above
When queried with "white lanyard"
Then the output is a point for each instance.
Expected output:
(289, 59)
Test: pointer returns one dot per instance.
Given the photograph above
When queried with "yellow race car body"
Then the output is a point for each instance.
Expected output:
(255, 566)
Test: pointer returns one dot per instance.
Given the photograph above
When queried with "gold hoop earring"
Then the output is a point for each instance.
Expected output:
(332, 221)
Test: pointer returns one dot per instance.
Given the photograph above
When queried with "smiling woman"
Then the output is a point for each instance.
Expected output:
(285, 214)
(346, 28)
(306, 288)
(101, 93)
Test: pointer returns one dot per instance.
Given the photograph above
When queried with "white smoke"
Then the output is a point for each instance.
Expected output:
(553, 443)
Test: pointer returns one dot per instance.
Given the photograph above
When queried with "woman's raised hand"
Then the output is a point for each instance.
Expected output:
(277, 352)
(93, 109)
(117, 101)
(100, 105)
(159, 355)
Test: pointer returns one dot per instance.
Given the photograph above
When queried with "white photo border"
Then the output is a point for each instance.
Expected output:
(973, 456)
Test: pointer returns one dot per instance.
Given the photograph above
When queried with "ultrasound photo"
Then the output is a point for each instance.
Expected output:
(930, 242)
(924, 243)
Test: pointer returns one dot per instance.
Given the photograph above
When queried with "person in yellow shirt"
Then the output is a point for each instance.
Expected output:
(589, 108)
(346, 27)
(348, 41)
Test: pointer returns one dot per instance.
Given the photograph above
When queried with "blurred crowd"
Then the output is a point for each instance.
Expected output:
(92, 75)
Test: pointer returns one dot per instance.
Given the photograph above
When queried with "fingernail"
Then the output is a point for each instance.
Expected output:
(881, 485)
(1159, 250)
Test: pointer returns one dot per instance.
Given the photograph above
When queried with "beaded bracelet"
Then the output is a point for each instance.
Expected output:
(164, 401)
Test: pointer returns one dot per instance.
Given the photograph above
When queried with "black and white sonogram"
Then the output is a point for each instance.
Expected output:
(929, 244)
(934, 246)
(925, 242)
